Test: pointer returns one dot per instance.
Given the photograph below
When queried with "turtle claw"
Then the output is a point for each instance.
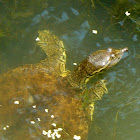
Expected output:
(91, 111)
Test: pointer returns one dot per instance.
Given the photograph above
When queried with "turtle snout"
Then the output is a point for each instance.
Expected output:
(125, 49)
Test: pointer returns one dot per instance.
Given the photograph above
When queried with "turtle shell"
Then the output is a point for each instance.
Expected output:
(34, 104)
(37, 102)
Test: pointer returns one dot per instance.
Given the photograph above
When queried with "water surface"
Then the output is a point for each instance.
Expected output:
(116, 116)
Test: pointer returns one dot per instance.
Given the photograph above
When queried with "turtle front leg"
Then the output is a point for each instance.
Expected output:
(55, 51)
(93, 94)
(99, 89)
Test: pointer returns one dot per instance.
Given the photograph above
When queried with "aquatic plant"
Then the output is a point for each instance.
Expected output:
(89, 3)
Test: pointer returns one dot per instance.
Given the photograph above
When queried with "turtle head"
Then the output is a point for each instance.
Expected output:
(95, 63)
(115, 55)
(104, 59)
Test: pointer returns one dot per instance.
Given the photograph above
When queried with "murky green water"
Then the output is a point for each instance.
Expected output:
(117, 115)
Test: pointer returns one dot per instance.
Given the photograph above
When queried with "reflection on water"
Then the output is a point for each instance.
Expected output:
(116, 116)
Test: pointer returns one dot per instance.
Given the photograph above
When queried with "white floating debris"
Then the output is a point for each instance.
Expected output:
(127, 13)
(0, 105)
(58, 135)
(4, 128)
(53, 136)
(38, 119)
(74, 64)
(16, 102)
(76, 137)
(59, 129)
(34, 106)
(94, 31)
(49, 131)
(46, 110)
(44, 132)
(49, 135)
(53, 124)
(52, 116)
(37, 39)
(32, 122)
(55, 130)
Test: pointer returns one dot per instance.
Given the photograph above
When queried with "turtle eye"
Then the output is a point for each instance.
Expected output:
(109, 49)
(103, 63)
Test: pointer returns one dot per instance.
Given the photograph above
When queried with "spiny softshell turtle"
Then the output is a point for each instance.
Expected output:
(46, 101)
